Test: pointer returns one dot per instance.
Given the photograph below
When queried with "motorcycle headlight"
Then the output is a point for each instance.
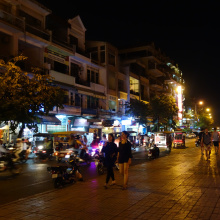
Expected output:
(40, 147)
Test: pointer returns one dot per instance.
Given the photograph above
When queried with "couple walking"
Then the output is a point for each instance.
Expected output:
(121, 155)
(207, 140)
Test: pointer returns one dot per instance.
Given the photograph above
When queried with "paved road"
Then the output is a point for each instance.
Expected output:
(180, 186)
(35, 179)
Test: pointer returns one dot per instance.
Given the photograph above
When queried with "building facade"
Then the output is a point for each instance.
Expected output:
(98, 79)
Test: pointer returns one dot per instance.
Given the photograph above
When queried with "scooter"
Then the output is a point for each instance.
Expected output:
(153, 152)
(6, 164)
(22, 156)
(99, 162)
(62, 175)
(83, 156)
(197, 143)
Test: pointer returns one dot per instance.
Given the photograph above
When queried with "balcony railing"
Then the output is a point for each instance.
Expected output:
(38, 32)
(88, 111)
(13, 20)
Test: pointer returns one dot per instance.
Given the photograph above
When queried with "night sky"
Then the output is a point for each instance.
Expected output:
(186, 31)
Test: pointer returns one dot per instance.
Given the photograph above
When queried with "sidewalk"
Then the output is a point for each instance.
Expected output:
(182, 185)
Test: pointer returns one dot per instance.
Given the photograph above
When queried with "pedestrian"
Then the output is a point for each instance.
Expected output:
(146, 140)
(124, 157)
(199, 140)
(207, 142)
(110, 151)
(139, 139)
(215, 138)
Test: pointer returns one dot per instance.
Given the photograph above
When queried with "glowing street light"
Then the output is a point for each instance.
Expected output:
(208, 109)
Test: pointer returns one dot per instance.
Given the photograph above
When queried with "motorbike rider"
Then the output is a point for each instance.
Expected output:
(19, 148)
(8, 157)
(95, 142)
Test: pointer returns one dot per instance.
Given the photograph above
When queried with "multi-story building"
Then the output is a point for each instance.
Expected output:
(98, 78)
(155, 74)
(58, 48)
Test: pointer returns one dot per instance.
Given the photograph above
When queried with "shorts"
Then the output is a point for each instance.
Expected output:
(215, 143)
(207, 147)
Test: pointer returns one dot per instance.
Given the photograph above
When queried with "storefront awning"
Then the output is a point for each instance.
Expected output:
(51, 120)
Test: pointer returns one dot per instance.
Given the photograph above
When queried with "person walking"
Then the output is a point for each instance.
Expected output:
(206, 141)
(199, 140)
(215, 138)
(124, 157)
(110, 151)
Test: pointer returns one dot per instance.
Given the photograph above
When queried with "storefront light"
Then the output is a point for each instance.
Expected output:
(61, 116)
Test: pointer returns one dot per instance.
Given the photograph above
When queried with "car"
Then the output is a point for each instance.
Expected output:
(190, 135)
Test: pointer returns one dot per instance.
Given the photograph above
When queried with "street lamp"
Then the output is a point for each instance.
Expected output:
(208, 109)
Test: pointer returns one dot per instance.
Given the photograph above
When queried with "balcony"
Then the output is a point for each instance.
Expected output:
(63, 78)
(155, 72)
(12, 20)
(67, 110)
(89, 112)
(156, 87)
(122, 95)
(37, 32)
(97, 87)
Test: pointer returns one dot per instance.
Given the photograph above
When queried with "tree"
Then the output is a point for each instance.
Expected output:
(25, 95)
(139, 110)
(204, 121)
(163, 108)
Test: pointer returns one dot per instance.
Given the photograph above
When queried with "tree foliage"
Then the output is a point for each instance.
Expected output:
(205, 122)
(163, 108)
(139, 110)
(24, 95)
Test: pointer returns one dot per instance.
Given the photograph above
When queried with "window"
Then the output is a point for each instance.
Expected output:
(74, 70)
(120, 85)
(73, 40)
(93, 53)
(71, 99)
(93, 75)
(111, 59)
(97, 77)
(60, 67)
(88, 76)
(102, 54)
(92, 102)
(77, 100)
(134, 86)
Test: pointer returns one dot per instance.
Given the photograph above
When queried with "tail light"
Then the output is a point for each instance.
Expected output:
(35, 151)
(56, 154)
(44, 151)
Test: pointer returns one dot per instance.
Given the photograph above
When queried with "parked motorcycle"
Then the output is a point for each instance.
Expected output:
(153, 152)
(62, 175)
(197, 143)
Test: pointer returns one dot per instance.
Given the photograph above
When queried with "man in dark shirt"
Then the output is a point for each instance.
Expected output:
(199, 139)
(206, 141)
